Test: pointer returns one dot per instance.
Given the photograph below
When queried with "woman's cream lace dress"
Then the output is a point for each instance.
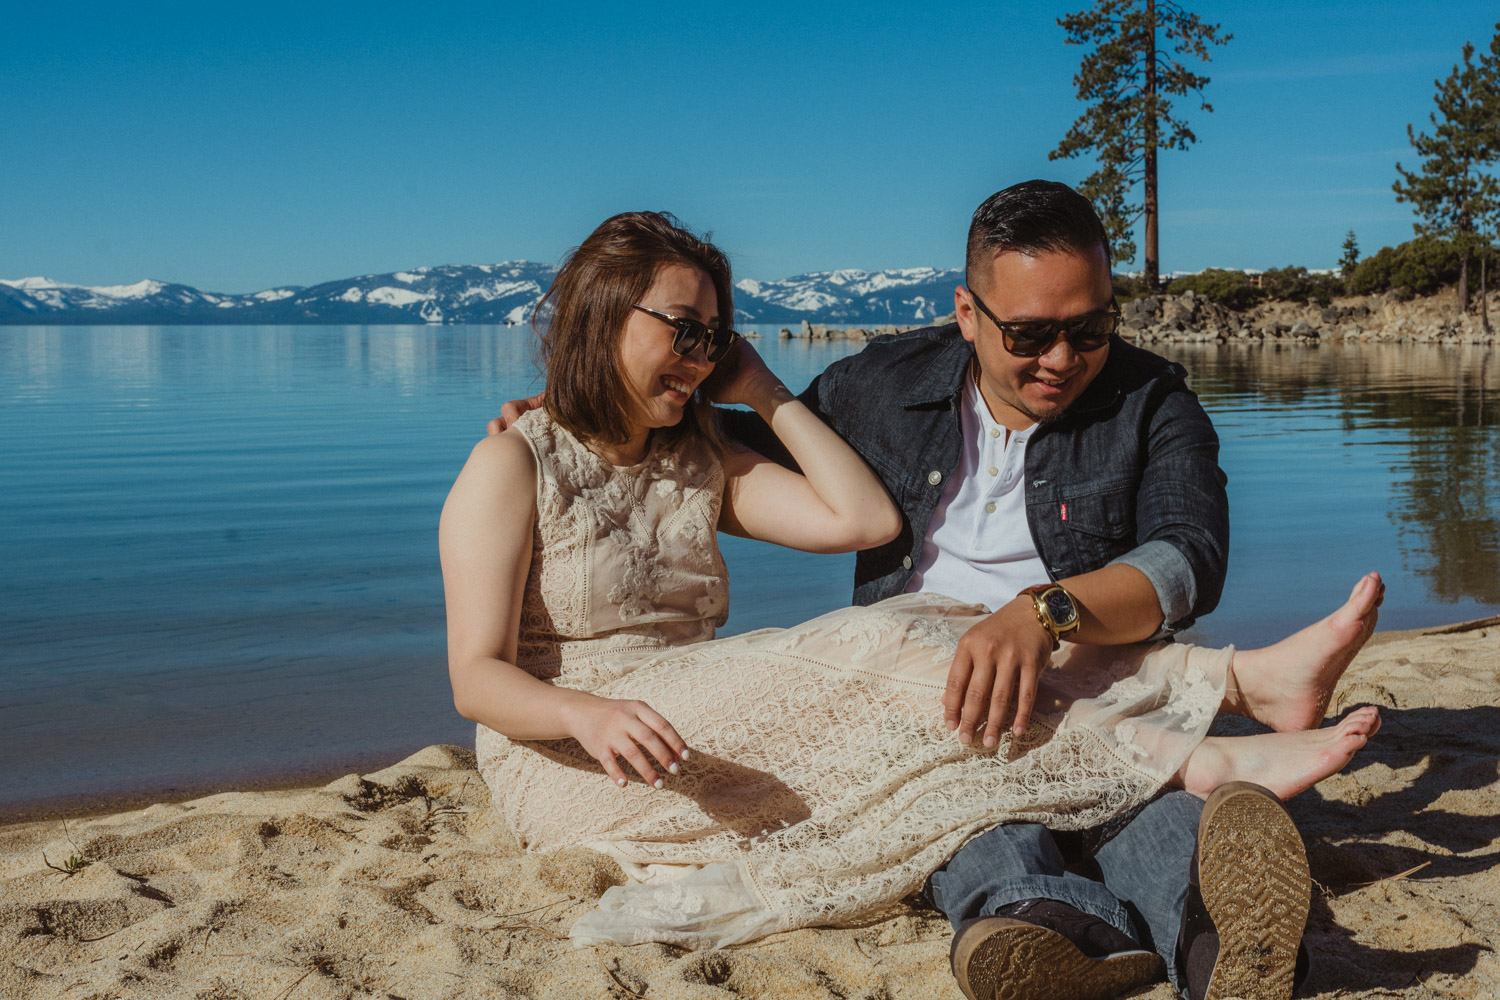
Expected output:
(822, 785)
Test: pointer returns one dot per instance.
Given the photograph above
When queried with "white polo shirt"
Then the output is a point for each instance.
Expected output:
(978, 547)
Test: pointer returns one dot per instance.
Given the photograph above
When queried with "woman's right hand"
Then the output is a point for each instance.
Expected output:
(743, 377)
(610, 729)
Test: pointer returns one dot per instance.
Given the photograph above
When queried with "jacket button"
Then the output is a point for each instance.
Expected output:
(906, 562)
(934, 477)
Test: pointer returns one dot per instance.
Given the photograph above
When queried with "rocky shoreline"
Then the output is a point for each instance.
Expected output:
(1190, 318)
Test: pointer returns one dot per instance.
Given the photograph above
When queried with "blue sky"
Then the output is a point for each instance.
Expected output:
(235, 147)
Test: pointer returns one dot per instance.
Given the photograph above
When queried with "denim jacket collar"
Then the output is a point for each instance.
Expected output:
(943, 378)
(1102, 393)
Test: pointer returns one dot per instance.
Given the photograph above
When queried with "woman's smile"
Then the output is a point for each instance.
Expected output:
(661, 380)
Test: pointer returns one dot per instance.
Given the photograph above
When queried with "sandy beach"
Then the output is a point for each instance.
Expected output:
(401, 883)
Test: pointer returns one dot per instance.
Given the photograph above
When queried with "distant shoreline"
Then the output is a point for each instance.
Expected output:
(1194, 319)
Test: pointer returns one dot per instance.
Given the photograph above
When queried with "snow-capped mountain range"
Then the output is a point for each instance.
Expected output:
(482, 293)
(899, 295)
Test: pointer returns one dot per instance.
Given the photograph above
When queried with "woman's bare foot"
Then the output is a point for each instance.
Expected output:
(1287, 686)
(1286, 763)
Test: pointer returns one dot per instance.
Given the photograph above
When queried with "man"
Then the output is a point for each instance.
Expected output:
(1026, 445)
(1069, 481)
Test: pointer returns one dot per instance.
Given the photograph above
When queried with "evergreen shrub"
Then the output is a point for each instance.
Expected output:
(1416, 267)
(1227, 288)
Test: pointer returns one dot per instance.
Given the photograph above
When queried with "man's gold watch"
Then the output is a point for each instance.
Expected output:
(1055, 610)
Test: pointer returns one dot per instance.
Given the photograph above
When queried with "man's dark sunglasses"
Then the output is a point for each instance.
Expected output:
(690, 333)
(1029, 340)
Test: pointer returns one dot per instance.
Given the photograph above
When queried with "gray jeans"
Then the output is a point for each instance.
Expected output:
(1144, 868)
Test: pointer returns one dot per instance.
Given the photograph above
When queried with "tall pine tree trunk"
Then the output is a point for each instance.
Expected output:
(1463, 283)
(1153, 253)
(1465, 227)
(1484, 292)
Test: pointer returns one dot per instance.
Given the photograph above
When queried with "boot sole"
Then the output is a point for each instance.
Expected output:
(1252, 872)
(999, 958)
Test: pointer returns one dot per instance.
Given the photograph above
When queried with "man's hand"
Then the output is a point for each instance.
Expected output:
(511, 412)
(995, 670)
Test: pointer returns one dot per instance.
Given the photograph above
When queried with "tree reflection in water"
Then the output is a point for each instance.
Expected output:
(1330, 426)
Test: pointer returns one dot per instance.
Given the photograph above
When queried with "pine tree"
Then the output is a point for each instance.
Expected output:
(1449, 191)
(1350, 260)
(1127, 81)
(1487, 207)
(1486, 225)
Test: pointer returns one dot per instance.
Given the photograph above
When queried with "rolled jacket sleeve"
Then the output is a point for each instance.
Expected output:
(1182, 512)
(1171, 575)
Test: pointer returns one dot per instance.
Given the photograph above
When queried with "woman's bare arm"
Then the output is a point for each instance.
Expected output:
(485, 538)
(835, 505)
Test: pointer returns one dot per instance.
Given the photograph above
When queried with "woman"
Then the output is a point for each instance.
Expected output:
(798, 776)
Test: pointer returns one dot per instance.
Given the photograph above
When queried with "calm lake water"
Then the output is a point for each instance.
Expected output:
(220, 542)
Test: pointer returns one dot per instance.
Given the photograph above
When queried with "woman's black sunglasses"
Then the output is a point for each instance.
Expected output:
(1029, 340)
(690, 333)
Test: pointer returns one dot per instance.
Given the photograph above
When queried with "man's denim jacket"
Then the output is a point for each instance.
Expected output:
(1129, 474)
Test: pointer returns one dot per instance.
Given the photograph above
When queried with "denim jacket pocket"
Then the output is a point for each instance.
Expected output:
(1101, 524)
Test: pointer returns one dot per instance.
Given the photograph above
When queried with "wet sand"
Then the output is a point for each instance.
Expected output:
(401, 883)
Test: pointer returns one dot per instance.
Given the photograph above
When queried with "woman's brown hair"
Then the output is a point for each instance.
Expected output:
(582, 317)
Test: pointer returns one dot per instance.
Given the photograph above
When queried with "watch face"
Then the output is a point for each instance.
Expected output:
(1060, 606)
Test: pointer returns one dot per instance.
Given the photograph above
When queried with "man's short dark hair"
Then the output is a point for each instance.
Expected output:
(1033, 217)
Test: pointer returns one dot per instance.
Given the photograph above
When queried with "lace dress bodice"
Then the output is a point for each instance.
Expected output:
(623, 557)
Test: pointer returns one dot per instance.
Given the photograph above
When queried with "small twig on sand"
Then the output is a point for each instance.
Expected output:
(618, 981)
(318, 963)
(72, 866)
(526, 925)
(1472, 626)
(436, 812)
(76, 862)
(69, 834)
(27, 968)
(534, 909)
(1394, 878)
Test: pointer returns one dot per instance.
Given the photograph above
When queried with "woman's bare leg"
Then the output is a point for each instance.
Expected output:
(1288, 685)
(1286, 763)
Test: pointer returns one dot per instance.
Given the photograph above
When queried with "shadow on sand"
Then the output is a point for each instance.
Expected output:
(1401, 843)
